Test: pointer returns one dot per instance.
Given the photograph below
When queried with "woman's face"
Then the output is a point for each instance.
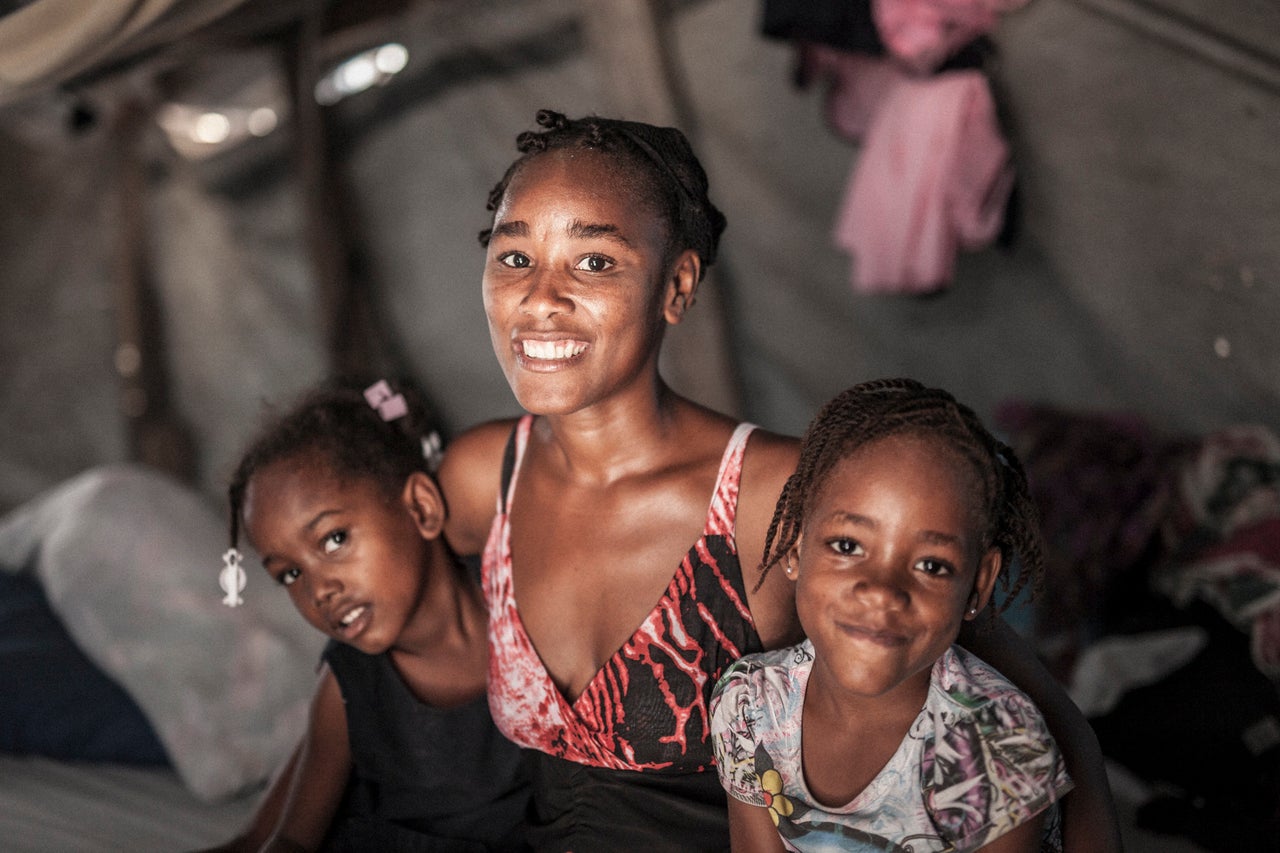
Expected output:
(890, 563)
(576, 290)
(350, 555)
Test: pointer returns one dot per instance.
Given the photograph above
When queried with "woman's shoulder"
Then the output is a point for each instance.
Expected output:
(470, 477)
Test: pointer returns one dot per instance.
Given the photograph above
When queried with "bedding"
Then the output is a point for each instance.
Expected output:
(48, 805)
(128, 560)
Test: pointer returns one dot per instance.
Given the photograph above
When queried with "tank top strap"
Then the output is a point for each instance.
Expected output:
(724, 500)
(511, 458)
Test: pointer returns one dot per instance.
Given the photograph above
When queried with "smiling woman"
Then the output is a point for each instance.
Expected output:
(619, 521)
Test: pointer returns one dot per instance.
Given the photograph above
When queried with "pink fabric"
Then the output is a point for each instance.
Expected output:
(922, 34)
(933, 175)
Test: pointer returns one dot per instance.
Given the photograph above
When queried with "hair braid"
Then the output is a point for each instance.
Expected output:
(885, 407)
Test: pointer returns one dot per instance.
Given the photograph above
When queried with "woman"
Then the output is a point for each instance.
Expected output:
(602, 231)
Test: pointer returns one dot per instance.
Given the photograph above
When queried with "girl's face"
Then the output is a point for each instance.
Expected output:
(576, 289)
(889, 564)
(353, 559)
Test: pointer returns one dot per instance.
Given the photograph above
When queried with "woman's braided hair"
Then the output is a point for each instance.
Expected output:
(658, 166)
(887, 407)
(337, 422)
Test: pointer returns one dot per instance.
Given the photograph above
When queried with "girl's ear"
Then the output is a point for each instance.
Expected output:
(984, 582)
(791, 560)
(682, 285)
(422, 498)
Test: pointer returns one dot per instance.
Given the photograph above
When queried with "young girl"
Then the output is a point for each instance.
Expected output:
(877, 732)
(613, 516)
(338, 499)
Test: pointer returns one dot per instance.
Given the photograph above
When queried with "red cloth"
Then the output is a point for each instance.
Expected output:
(933, 175)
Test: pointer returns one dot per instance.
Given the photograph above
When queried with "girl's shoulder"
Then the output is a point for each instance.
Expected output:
(470, 477)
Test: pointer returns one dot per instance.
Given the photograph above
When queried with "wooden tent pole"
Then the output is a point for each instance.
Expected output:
(627, 40)
(345, 319)
(154, 434)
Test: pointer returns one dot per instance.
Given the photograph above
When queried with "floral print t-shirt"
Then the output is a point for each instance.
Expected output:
(977, 762)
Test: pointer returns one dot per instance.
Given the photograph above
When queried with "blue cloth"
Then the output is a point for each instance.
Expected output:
(56, 702)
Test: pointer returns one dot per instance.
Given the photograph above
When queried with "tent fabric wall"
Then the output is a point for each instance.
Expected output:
(1147, 237)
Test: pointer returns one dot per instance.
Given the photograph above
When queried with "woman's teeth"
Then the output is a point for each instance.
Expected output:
(552, 349)
(352, 616)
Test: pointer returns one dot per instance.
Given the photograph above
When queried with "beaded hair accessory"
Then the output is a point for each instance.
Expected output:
(388, 405)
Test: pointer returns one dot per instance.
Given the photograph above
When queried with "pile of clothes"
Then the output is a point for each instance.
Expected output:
(905, 80)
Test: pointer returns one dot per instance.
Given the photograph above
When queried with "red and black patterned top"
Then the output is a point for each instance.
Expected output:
(647, 707)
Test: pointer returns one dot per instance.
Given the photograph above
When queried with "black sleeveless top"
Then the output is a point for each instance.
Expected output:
(425, 778)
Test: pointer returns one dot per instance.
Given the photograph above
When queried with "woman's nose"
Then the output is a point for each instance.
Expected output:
(545, 296)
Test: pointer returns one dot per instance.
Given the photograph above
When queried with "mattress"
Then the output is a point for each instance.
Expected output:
(49, 806)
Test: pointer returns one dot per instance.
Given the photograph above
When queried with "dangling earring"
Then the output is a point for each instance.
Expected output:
(232, 578)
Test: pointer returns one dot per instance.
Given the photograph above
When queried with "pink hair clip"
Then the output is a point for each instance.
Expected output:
(388, 405)
(232, 577)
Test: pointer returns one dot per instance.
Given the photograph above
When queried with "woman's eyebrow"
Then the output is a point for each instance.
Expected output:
(511, 228)
(586, 230)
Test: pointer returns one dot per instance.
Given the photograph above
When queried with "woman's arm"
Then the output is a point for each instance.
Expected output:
(1089, 822)
(751, 830)
(769, 461)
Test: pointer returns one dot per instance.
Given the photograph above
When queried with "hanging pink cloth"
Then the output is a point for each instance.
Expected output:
(922, 34)
(933, 174)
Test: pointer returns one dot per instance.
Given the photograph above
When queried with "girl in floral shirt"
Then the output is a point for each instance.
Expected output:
(878, 732)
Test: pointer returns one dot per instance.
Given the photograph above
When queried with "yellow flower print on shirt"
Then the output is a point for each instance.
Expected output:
(779, 805)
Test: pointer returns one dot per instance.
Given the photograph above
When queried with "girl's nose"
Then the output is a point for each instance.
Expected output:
(324, 586)
(881, 591)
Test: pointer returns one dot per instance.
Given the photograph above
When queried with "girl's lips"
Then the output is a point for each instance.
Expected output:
(879, 637)
(354, 622)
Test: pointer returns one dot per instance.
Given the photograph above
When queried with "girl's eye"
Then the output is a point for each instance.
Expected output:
(595, 263)
(287, 577)
(334, 541)
(846, 547)
(516, 260)
(935, 567)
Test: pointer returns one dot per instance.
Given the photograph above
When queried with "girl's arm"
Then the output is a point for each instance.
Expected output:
(1024, 838)
(296, 810)
(323, 767)
(751, 830)
(1089, 822)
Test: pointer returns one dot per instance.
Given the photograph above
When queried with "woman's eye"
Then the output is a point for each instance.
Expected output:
(846, 547)
(287, 577)
(516, 260)
(334, 541)
(935, 567)
(595, 263)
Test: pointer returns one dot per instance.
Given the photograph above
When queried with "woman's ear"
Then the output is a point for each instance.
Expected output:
(422, 498)
(984, 582)
(682, 286)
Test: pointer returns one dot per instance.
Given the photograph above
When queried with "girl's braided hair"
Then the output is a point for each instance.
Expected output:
(337, 422)
(886, 407)
(659, 167)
